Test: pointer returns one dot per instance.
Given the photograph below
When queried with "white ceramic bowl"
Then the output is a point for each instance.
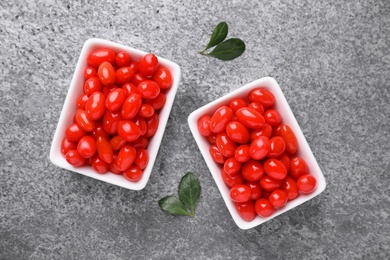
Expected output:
(69, 108)
(287, 117)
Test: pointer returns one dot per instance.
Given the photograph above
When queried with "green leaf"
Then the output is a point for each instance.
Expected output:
(229, 49)
(172, 205)
(189, 191)
(219, 34)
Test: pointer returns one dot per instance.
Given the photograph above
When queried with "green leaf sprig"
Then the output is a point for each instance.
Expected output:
(224, 50)
(189, 193)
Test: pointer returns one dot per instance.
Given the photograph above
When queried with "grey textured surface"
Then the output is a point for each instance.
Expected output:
(332, 60)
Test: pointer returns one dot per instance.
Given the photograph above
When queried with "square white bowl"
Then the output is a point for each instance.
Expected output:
(69, 108)
(288, 118)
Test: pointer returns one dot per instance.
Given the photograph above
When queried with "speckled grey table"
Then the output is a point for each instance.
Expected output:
(332, 60)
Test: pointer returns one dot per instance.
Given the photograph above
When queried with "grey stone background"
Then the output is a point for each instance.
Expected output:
(332, 60)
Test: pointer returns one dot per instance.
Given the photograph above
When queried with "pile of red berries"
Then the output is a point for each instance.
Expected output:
(117, 113)
(257, 154)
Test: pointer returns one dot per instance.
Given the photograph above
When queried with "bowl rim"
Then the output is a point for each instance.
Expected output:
(287, 115)
(55, 155)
